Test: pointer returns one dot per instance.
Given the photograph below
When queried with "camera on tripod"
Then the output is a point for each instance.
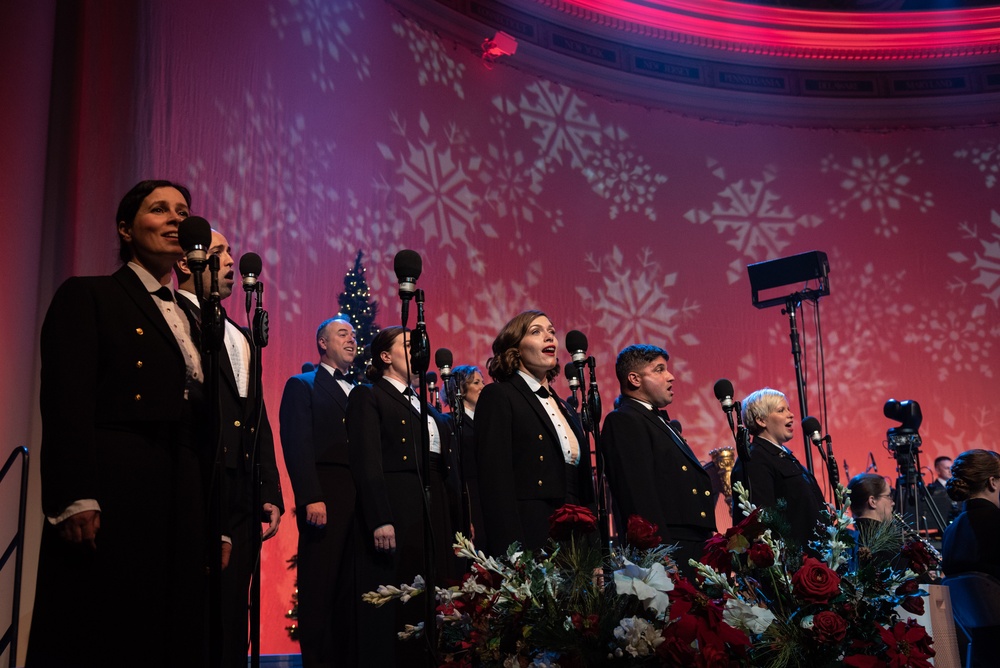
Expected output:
(904, 440)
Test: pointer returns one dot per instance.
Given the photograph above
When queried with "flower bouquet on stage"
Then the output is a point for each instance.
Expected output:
(752, 605)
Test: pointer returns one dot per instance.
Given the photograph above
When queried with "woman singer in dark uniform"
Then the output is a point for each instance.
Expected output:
(469, 381)
(122, 571)
(972, 541)
(531, 452)
(384, 443)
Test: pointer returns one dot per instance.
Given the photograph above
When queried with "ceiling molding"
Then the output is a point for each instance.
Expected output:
(742, 63)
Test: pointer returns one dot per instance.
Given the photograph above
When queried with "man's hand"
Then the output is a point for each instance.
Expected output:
(275, 520)
(316, 514)
(81, 527)
(385, 538)
(227, 550)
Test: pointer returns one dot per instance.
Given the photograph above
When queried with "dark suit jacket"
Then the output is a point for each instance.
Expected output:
(652, 473)
(776, 475)
(238, 421)
(109, 361)
(384, 436)
(972, 541)
(519, 458)
(313, 431)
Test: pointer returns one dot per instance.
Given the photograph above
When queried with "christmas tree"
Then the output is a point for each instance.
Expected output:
(355, 301)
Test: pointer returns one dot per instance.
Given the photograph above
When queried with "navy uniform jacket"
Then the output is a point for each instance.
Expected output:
(519, 458)
(652, 473)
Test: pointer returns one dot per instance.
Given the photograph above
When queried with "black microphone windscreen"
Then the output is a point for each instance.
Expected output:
(407, 264)
(432, 378)
(250, 263)
(194, 231)
(443, 357)
(570, 371)
(676, 426)
(723, 388)
(810, 425)
(576, 340)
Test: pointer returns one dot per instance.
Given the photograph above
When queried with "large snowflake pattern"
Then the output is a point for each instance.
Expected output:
(954, 339)
(749, 211)
(634, 301)
(326, 27)
(434, 65)
(985, 259)
(618, 174)
(985, 158)
(273, 195)
(435, 184)
(876, 184)
(564, 124)
(983, 423)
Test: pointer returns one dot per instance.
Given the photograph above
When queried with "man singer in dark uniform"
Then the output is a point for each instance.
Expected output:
(651, 471)
(239, 424)
(314, 441)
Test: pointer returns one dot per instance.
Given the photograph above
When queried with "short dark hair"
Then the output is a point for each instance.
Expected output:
(634, 357)
(864, 486)
(938, 460)
(382, 342)
(506, 357)
(129, 207)
(323, 325)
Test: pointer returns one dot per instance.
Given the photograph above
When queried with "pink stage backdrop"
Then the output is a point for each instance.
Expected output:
(310, 130)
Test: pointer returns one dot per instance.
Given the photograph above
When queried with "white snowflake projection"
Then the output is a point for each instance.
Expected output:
(325, 26)
(434, 181)
(272, 193)
(634, 302)
(976, 432)
(511, 186)
(620, 175)
(861, 339)
(429, 53)
(481, 315)
(985, 260)
(985, 158)
(876, 184)
(564, 125)
(750, 212)
(955, 340)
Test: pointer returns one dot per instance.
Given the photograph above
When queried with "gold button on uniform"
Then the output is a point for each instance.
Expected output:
(539, 483)
(708, 493)
(404, 458)
(539, 437)
(404, 440)
(541, 458)
(236, 423)
(703, 513)
(138, 330)
(694, 491)
(138, 397)
(403, 421)
(138, 364)
(684, 467)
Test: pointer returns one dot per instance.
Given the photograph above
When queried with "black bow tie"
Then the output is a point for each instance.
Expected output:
(338, 375)
(164, 293)
(543, 392)
(408, 392)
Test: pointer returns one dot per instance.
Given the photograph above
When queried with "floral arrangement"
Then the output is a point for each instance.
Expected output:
(753, 602)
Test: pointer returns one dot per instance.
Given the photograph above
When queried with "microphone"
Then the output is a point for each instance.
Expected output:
(811, 428)
(250, 268)
(573, 378)
(407, 265)
(724, 393)
(576, 344)
(676, 426)
(195, 237)
(443, 361)
(432, 380)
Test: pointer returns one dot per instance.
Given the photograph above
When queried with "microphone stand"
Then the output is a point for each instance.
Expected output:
(591, 423)
(211, 346)
(420, 358)
(742, 436)
(456, 407)
(259, 331)
(792, 302)
(831, 467)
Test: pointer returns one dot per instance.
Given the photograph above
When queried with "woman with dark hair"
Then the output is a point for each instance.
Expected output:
(384, 443)
(469, 381)
(972, 541)
(121, 574)
(531, 451)
(773, 473)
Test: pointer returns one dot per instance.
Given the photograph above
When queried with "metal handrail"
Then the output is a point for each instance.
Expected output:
(17, 543)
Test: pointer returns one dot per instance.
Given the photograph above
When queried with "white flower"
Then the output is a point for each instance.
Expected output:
(807, 622)
(751, 618)
(639, 637)
(410, 631)
(649, 585)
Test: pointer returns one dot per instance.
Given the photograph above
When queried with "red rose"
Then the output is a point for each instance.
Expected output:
(908, 588)
(760, 555)
(913, 605)
(814, 582)
(920, 558)
(829, 627)
(642, 534)
(717, 555)
(569, 520)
